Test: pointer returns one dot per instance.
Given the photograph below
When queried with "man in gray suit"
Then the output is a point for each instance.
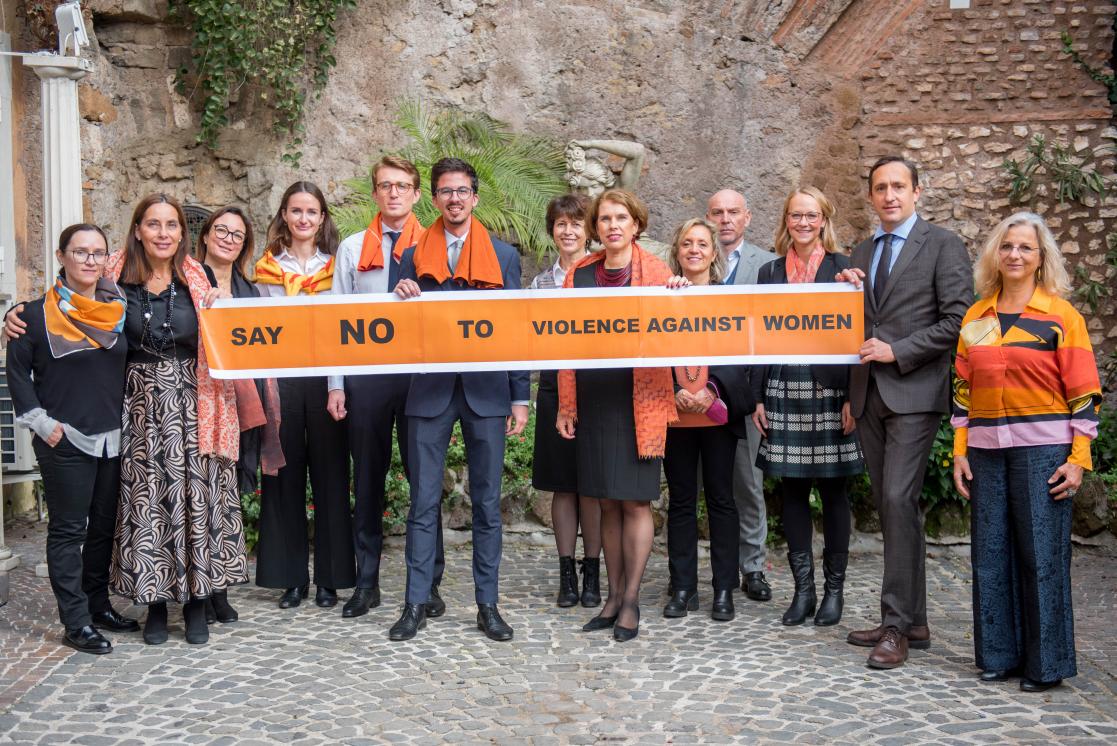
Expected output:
(729, 211)
(919, 287)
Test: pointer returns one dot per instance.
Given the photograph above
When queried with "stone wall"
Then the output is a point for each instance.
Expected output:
(760, 95)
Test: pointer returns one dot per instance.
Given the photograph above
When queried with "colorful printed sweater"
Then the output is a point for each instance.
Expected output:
(1035, 385)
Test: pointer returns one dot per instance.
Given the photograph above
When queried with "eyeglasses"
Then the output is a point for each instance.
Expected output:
(799, 217)
(1026, 252)
(221, 231)
(402, 187)
(447, 193)
(82, 256)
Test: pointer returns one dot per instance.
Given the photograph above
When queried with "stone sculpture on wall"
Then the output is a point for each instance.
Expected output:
(591, 176)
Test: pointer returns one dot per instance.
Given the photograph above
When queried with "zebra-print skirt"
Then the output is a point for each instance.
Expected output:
(179, 529)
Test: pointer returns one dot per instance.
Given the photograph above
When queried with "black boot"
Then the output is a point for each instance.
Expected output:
(194, 617)
(211, 613)
(834, 570)
(221, 608)
(591, 581)
(568, 582)
(155, 628)
(803, 602)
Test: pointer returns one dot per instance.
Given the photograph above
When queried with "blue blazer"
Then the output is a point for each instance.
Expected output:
(489, 394)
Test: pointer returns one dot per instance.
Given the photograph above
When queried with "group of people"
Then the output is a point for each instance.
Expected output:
(143, 463)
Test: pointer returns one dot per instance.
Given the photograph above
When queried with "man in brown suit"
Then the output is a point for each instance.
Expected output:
(919, 285)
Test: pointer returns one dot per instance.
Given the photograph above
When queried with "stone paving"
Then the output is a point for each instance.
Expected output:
(307, 676)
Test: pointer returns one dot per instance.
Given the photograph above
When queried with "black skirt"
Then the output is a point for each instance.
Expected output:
(554, 467)
(608, 464)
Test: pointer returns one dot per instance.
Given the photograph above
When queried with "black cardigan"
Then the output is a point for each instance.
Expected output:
(775, 273)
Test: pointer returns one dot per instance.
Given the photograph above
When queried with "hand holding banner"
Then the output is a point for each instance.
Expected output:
(533, 329)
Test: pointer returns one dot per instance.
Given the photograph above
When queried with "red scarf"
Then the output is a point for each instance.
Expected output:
(477, 267)
(372, 255)
(797, 271)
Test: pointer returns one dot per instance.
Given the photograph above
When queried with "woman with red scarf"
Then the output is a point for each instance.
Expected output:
(802, 412)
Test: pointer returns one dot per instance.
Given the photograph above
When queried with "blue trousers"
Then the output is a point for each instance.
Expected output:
(1020, 550)
(428, 439)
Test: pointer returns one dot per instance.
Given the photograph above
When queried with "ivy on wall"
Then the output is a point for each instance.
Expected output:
(279, 51)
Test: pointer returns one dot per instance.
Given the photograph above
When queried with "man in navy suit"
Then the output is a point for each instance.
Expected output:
(457, 253)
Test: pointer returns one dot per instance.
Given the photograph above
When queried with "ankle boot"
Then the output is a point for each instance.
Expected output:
(834, 570)
(155, 628)
(591, 581)
(194, 616)
(803, 602)
(568, 582)
(222, 611)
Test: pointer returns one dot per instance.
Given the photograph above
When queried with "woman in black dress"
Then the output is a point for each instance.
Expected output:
(802, 412)
(621, 414)
(554, 466)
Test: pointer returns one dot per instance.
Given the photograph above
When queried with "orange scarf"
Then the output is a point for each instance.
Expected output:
(269, 272)
(218, 426)
(372, 256)
(75, 322)
(477, 264)
(653, 401)
(797, 271)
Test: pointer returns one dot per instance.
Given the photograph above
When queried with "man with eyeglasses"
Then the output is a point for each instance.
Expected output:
(729, 212)
(919, 288)
(368, 262)
(457, 253)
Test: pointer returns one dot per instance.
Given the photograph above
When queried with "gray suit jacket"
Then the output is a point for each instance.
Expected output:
(752, 259)
(928, 292)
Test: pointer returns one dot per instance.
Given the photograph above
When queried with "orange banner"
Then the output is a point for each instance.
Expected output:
(533, 329)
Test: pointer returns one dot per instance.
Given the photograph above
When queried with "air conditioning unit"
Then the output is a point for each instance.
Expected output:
(16, 454)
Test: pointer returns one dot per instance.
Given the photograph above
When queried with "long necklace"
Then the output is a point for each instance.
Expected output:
(150, 340)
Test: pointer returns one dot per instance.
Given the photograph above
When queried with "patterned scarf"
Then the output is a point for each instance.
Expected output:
(653, 401)
(269, 272)
(75, 322)
(477, 263)
(797, 272)
(372, 256)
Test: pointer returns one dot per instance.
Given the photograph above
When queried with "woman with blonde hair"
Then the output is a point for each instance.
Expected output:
(1026, 401)
(802, 412)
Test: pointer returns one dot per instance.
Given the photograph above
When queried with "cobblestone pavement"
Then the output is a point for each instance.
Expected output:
(307, 676)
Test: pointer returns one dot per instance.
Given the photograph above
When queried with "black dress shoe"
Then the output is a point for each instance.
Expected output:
(436, 607)
(360, 602)
(325, 598)
(413, 619)
(624, 634)
(292, 597)
(722, 610)
(756, 587)
(114, 622)
(681, 602)
(489, 622)
(1027, 685)
(87, 640)
(999, 675)
(599, 622)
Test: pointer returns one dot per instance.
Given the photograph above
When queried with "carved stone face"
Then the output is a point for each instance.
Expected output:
(593, 178)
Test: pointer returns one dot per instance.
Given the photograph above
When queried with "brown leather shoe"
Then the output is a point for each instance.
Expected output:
(919, 638)
(891, 651)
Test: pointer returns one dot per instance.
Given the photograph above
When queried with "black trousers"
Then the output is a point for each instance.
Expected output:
(312, 442)
(375, 404)
(81, 493)
(716, 448)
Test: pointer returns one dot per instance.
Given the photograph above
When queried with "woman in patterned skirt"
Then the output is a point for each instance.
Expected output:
(179, 531)
(802, 412)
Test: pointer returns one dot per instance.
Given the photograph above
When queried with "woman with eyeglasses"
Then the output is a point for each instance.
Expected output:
(226, 247)
(1026, 401)
(802, 413)
(66, 377)
(299, 260)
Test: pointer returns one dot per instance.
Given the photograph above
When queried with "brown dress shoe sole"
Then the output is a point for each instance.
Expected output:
(866, 642)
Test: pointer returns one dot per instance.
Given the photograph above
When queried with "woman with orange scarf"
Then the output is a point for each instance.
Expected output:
(299, 260)
(623, 472)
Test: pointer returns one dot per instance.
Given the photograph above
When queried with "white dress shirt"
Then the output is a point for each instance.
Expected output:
(348, 280)
(288, 263)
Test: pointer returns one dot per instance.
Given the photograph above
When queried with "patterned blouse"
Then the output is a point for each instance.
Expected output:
(1035, 384)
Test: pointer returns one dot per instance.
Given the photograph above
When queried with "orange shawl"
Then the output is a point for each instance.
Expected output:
(653, 401)
(477, 264)
(269, 272)
(372, 256)
(218, 426)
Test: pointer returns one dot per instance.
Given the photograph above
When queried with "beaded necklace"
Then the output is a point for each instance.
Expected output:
(149, 340)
